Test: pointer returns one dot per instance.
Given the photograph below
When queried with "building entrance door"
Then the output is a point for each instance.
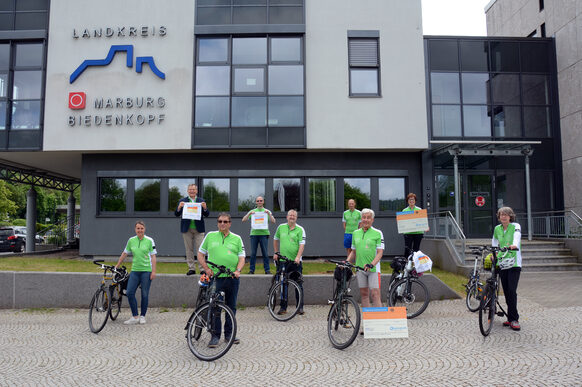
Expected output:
(479, 207)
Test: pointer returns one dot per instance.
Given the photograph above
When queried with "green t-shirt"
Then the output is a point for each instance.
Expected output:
(511, 236)
(192, 224)
(290, 240)
(366, 244)
(415, 209)
(352, 219)
(142, 251)
(222, 250)
(260, 231)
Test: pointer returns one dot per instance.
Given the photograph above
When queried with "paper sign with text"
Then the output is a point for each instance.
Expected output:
(259, 221)
(412, 221)
(385, 323)
(192, 211)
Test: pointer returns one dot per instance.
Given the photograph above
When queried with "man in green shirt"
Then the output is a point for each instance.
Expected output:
(351, 222)
(259, 234)
(223, 248)
(367, 249)
(291, 238)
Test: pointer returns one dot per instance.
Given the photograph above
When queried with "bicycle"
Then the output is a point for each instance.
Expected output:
(343, 324)
(406, 289)
(490, 296)
(279, 290)
(205, 323)
(106, 302)
(474, 286)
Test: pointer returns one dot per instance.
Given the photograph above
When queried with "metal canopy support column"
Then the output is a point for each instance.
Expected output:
(30, 220)
(527, 152)
(457, 191)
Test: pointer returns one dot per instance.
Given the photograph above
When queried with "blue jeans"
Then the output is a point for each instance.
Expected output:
(292, 267)
(137, 278)
(230, 288)
(263, 241)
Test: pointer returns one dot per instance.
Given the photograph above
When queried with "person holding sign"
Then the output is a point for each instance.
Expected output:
(192, 209)
(412, 239)
(259, 233)
(367, 250)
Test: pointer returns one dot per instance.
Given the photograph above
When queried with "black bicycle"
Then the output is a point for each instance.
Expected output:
(204, 326)
(281, 285)
(343, 319)
(474, 286)
(406, 289)
(106, 302)
(490, 296)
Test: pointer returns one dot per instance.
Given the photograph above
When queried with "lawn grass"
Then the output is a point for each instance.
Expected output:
(56, 264)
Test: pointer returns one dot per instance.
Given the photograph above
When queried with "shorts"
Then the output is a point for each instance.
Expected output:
(368, 279)
(348, 241)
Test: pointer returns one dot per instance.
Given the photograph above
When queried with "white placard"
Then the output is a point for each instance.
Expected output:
(192, 211)
(259, 221)
(385, 323)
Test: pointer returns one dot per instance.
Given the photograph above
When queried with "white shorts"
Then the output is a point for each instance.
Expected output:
(368, 279)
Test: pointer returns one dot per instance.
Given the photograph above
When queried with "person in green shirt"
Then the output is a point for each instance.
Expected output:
(291, 238)
(224, 248)
(259, 236)
(412, 239)
(143, 271)
(351, 222)
(367, 251)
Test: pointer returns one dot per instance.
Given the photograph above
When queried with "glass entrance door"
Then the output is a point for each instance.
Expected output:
(479, 206)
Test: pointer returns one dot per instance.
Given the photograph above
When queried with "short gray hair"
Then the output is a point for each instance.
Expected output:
(368, 211)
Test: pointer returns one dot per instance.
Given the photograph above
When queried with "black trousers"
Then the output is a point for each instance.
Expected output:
(509, 280)
(411, 242)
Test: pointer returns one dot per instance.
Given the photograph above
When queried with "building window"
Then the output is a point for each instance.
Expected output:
(392, 193)
(146, 195)
(112, 194)
(249, 92)
(220, 12)
(216, 192)
(22, 68)
(322, 195)
(248, 190)
(24, 15)
(359, 190)
(364, 67)
(286, 194)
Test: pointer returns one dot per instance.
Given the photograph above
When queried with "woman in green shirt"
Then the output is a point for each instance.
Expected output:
(412, 239)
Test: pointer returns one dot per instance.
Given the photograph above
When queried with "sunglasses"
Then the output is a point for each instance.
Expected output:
(224, 221)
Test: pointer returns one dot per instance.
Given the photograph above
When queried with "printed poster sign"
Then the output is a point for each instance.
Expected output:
(411, 221)
(259, 221)
(385, 323)
(192, 211)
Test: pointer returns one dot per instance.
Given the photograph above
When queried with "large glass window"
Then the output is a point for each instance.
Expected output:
(505, 89)
(147, 195)
(507, 121)
(249, 80)
(24, 14)
(286, 50)
(475, 87)
(286, 111)
(445, 87)
(216, 192)
(286, 80)
(220, 12)
(286, 194)
(359, 190)
(249, 111)
(477, 122)
(536, 89)
(212, 80)
(444, 55)
(212, 112)
(177, 189)
(248, 190)
(446, 120)
(392, 193)
(322, 195)
(213, 50)
(249, 50)
(112, 194)
(474, 55)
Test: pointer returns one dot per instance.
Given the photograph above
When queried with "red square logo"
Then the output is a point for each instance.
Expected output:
(77, 100)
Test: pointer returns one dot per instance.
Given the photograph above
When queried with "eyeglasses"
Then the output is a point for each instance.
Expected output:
(260, 201)
(224, 221)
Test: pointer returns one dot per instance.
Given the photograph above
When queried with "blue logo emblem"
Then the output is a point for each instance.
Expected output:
(139, 62)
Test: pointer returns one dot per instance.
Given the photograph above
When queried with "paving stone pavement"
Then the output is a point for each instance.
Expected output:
(445, 348)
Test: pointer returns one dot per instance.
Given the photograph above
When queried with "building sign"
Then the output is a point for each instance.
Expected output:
(479, 201)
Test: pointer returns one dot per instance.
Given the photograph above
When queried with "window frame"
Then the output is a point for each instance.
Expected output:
(356, 63)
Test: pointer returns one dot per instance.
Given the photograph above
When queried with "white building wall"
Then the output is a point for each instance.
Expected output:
(563, 20)
(172, 53)
(395, 121)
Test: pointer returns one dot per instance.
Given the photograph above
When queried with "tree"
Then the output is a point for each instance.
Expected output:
(362, 199)
(215, 199)
(7, 205)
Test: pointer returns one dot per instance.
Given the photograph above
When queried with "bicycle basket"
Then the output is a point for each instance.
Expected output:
(339, 272)
(398, 264)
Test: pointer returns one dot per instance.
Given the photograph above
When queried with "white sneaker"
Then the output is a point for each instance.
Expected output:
(132, 320)
(142, 320)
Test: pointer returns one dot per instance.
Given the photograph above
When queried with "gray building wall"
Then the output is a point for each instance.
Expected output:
(562, 20)
(107, 234)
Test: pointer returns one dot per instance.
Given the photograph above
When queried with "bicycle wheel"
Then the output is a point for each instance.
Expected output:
(487, 311)
(99, 310)
(473, 297)
(205, 324)
(343, 323)
(287, 297)
(116, 299)
(410, 293)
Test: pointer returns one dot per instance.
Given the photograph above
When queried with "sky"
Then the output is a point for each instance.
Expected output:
(454, 17)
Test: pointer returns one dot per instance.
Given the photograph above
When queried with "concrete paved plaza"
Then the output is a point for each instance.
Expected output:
(445, 348)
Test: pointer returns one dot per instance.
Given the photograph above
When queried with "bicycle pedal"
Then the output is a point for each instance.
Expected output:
(500, 314)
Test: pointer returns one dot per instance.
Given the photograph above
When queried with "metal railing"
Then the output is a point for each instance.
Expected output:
(56, 234)
(552, 224)
(444, 226)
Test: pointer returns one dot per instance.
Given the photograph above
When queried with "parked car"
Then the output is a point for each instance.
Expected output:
(21, 230)
(12, 240)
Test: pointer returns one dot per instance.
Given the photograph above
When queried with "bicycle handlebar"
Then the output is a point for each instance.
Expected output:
(490, 248)
(283, 258)
(221, 269)
(346, 264)
(99, 262)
